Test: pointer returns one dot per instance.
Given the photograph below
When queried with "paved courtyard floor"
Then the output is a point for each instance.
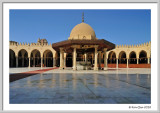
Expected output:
(123, 86)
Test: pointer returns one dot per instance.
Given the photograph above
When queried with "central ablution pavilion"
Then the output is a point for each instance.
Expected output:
(83, 43)
(82, 50)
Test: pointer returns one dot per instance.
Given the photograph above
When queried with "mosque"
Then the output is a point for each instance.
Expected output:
(82, 50)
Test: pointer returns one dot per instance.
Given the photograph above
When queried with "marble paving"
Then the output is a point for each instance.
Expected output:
(82, 88)
(25, 69)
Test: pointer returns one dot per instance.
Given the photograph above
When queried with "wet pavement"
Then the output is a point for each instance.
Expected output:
(82, 88)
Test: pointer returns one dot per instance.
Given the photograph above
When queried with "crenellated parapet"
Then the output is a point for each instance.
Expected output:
(12, 43)
(41, 46)
(147, 44)
(128, 49)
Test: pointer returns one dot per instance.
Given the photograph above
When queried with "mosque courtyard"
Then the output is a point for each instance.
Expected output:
(102, 72)
(55, 86)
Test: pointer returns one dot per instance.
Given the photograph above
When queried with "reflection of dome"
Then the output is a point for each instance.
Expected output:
(82, 31)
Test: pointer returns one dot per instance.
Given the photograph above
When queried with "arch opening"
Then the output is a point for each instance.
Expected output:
(122, 57)
(112, 57)
(48, 58)
(132, 58)
(12, 58)
(35, 58)
(23, 58)
(143, 57)
(69, 60)
(90, 58)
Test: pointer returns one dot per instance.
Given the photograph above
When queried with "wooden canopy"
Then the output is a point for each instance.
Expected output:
(83, 45)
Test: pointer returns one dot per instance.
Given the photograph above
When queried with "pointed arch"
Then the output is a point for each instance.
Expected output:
(23, 58)
(122, 57)
(35, 58)
(112, 57)
(12, 58)
(132, 57)
(143, 57)
(48, 58)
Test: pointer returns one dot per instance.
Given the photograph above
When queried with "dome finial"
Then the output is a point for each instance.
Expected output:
(83, 17)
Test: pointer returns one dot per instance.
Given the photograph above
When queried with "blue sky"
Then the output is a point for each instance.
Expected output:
(116, 26)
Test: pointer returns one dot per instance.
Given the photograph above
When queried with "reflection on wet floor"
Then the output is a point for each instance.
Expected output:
(60, 88)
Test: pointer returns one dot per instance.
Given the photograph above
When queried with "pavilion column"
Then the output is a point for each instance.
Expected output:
(74, 59)
(61, 58)
(95, 58)
(41, 62)
(29, 62)
(86, 60)
(16, 61)
(117, 63)
(99, 59)
(86, 57)
(127, 62)
(105, 60)
(64, 60)
(148, 60)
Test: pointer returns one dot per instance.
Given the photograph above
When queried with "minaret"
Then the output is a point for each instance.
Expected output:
(83, 17)
(38, 40)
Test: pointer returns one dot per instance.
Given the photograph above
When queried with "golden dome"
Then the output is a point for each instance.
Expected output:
(82, 31)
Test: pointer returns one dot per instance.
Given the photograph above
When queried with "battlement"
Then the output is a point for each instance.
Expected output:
(134, 46)
(12, 43)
